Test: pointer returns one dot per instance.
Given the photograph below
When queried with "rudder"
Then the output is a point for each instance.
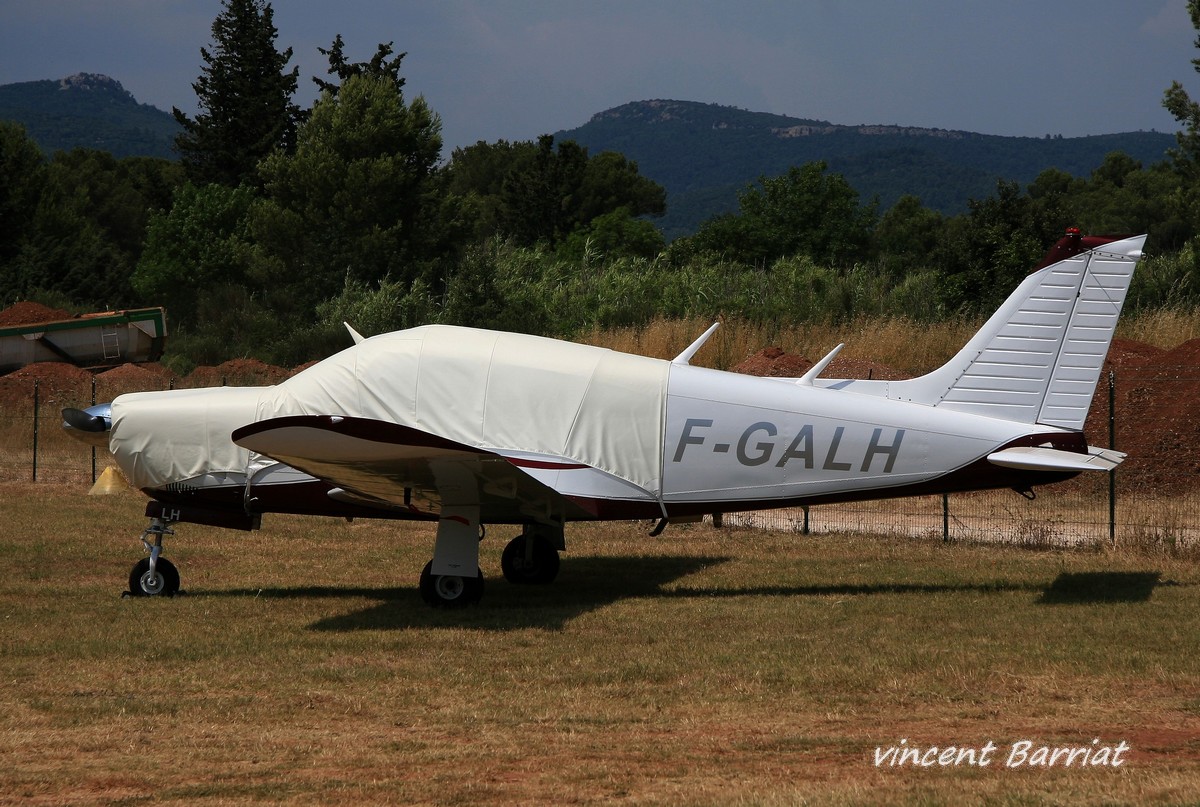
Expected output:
(1038, 358)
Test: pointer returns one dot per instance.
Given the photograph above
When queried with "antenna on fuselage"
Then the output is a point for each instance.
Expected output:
(808, 378)
(686, 355)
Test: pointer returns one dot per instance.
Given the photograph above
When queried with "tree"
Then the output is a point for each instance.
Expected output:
(538, 196)
(475, 175)
(22, 175)
(199, 245)
(1187, 155)
(1185, 110)
(803, 212)
(246, 97)
(1121, 197)
(906, 235)
(87, 229)
(984, 255)
(354, 200)
(382, 65)
(543, 193)
(614, 235)
(611, 183)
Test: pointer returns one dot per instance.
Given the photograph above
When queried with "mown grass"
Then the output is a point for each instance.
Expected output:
(699, 667)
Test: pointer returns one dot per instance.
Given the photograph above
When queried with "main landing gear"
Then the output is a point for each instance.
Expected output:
(530, 558)
(450, 590)
(154, 576)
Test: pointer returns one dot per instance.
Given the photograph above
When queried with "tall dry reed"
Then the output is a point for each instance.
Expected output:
(1164, 327)
(901, 344)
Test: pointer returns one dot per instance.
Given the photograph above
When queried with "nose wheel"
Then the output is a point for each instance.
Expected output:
(154, 576)
(161, 581)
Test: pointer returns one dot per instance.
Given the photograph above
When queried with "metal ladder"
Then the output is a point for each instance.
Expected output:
(110, 343)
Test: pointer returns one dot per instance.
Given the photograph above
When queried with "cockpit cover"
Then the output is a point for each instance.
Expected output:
(499, 392)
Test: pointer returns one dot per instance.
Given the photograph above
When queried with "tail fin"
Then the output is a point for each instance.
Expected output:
(1037, 360)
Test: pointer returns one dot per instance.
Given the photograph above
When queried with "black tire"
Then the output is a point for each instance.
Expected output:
(164, 584)
(540, 570)
(450, 590)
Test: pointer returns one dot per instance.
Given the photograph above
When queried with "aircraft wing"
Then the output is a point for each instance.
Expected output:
(397, 466)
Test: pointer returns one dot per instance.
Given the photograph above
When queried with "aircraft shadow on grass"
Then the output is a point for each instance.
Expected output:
(1077, 588)
(1083, 588)
(589, 583)
(584, 584)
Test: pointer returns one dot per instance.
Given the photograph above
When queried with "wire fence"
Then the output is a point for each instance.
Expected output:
(1151, 501)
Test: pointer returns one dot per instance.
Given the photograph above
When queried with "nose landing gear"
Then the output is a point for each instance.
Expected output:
(154, 576)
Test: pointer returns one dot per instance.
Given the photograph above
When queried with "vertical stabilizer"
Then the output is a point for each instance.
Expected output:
(1038, 359)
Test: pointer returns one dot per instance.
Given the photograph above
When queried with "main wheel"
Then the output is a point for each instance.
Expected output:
(450, 590)
(163, 583)
(537, 567)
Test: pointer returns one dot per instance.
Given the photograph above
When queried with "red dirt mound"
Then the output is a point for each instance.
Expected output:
(236, 373)
(1158, 418)
(1126, 352)
(133, 378)
(1156, 404)
(57, 382)
(1185, 357)
(775, 363)
(29, 313)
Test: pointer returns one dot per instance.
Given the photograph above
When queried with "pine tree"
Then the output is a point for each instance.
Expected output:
(245, 96)
(380, 66)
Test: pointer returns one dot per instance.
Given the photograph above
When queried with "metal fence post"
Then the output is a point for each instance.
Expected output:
(1112, 443)
(93, 447)
(36, 392)
(804, 530)
(945, 518)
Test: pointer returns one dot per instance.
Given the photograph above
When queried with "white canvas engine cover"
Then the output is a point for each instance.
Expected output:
(163, 437)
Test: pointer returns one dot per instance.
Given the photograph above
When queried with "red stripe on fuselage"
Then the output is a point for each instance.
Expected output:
(546, 464)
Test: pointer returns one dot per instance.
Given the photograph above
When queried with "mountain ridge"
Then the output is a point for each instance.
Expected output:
(88, 110)
(704, 154)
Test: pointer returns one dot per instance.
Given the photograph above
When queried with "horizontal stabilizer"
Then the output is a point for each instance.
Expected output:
(1033, 458)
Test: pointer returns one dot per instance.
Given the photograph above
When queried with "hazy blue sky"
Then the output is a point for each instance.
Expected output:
(496, 69)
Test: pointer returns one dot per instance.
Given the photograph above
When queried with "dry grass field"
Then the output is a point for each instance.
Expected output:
(903, 345)
(699, 667)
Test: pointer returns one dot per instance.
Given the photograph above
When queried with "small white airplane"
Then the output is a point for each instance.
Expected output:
(467, 427)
